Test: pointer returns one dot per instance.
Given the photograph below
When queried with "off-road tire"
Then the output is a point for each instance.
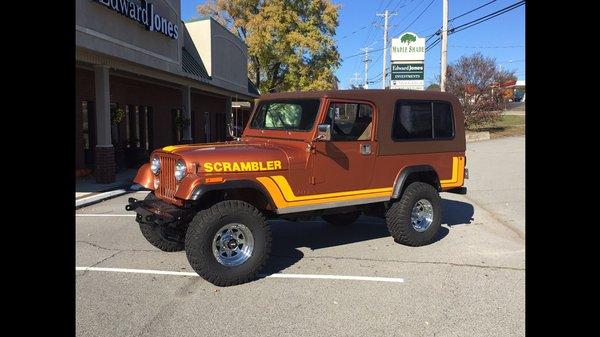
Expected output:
(155, 234)
(398, 216)
(202, 230)
(342, 219)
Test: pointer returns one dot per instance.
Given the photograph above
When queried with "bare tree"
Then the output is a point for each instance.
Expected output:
(479, 85)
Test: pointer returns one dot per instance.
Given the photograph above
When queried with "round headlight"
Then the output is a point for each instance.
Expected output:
(180, 169)
(155, 165)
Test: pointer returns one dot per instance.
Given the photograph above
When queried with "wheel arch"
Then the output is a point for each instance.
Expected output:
(244, 190)
(423, 173)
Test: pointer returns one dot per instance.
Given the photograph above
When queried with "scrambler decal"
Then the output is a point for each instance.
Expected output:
(248, 166)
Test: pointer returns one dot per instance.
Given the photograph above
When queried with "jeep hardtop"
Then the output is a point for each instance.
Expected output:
(333, 154)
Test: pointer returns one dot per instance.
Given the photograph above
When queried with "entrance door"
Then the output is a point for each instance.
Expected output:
(345, 163)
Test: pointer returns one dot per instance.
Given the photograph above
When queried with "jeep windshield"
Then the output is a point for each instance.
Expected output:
(286, 115)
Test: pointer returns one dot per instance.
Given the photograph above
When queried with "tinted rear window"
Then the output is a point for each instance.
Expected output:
(422, 120)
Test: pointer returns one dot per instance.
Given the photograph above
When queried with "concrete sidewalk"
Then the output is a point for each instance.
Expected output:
(88, 191)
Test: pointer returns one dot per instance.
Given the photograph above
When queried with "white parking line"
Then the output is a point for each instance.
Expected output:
(100, 215)
(279, 275)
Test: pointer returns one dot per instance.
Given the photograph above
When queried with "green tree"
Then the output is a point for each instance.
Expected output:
(290, 42)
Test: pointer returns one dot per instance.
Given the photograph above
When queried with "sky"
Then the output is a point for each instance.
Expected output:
(502, 37)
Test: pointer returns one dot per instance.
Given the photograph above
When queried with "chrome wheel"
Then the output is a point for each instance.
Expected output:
(422, 215)
(233, 244)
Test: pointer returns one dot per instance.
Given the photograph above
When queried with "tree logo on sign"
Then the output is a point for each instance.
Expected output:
(408, 38)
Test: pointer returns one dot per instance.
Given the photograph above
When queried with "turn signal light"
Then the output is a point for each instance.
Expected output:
(213, 180)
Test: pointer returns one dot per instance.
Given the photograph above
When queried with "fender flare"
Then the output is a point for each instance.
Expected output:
(202, 189)
(407, 171)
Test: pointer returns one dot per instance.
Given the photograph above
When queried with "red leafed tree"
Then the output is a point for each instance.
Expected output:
(478, 84)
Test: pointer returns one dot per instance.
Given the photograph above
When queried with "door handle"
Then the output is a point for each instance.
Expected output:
(365, 149)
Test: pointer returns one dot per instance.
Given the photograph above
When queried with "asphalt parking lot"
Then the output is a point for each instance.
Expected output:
(470, 282)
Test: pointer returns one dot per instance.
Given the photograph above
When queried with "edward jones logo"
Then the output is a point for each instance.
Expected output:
(407, 67)
(144, 14)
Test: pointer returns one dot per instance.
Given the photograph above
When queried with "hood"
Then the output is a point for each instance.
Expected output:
(233, 156)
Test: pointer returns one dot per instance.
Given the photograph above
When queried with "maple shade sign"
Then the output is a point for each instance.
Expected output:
(407, 66)
(408, 47)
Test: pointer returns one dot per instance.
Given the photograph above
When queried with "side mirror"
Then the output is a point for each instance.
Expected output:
(234, 132)
(323, 132)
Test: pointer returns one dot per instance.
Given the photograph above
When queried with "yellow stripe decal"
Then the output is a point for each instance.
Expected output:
(283, 196)
(458, 173)
(172, 148)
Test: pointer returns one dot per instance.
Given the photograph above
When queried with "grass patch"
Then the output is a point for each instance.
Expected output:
(506, 126)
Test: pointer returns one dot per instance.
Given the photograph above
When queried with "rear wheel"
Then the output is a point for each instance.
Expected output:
(415, 219)
(228, 243)
(342, 219)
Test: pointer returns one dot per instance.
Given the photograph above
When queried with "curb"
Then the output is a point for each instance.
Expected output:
(100, 197)
(475, 136)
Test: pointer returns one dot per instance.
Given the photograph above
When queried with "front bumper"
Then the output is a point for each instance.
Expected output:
(156, 211)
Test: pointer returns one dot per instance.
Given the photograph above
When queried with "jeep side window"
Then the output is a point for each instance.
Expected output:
(422, 120)
(351, 121)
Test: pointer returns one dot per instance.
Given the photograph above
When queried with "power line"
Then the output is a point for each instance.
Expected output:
(477, 21)
(471, 11)
(485, 47)
(369, 32)
(418, 16)
(487, 17)
(409, 14)
(438, 31)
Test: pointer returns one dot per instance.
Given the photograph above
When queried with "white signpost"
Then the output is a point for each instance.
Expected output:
(408, 62)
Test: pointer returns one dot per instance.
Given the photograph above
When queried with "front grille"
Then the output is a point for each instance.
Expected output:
(168, 185)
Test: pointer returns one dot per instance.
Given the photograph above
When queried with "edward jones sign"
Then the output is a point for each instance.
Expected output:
(407, 71)
(408, 47)
(144, 14)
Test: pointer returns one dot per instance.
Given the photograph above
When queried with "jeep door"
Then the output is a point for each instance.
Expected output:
(345, 163)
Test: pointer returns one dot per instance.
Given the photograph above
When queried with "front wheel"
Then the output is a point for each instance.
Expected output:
(228, 243)
(415, 219)
(164, 237)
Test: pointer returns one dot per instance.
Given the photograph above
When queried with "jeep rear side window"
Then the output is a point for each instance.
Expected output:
(296, 115)
(351, 121)
(422, 120)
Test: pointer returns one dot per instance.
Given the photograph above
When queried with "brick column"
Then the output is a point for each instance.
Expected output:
(104, 171)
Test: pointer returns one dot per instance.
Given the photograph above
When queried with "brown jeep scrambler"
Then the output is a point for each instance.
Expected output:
(333, 154)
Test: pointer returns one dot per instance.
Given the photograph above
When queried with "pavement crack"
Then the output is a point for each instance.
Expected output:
(122, 250)
(453, 264)
(104, 259)
(96, 245)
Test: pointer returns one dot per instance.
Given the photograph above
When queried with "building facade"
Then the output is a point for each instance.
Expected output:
(145, 79)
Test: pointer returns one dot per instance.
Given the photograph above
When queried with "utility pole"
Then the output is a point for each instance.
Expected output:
(355, 79)
(444, 44)
(366, 62)
(385, 15)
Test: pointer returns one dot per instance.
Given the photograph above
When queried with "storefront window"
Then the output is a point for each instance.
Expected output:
(133, 126)
(86, 125)
(176, 121)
